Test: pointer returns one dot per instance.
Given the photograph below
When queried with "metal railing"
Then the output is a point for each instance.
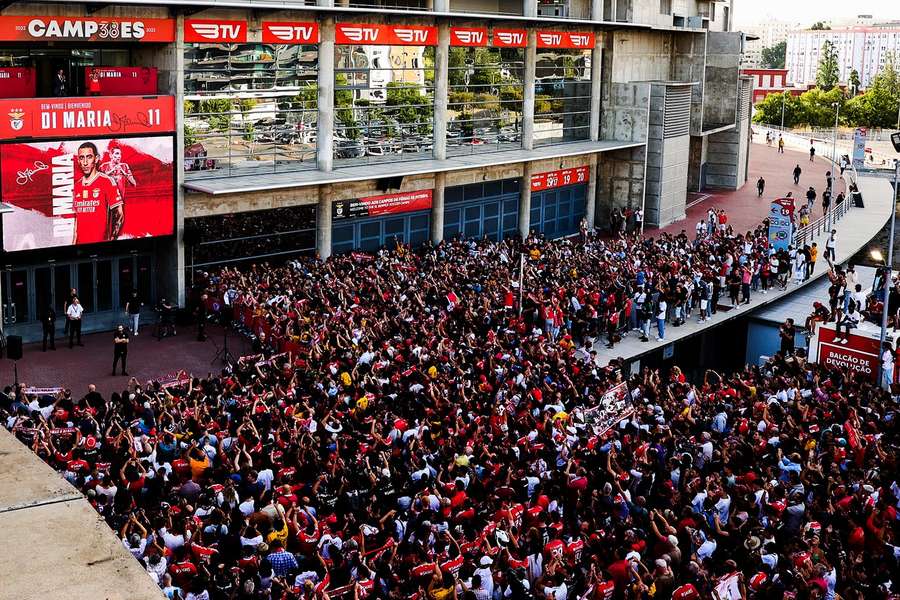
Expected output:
(835, 213)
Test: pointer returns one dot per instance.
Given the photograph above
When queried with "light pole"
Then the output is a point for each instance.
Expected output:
(782, 112)
(837, 113)
(876, 254)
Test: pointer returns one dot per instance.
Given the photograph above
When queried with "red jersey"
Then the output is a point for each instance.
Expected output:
(604, 590)
(94, 198)
(686, 592)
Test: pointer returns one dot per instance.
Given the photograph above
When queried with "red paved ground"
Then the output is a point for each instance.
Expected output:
(148, 359)
(745, 210)
(152, 359)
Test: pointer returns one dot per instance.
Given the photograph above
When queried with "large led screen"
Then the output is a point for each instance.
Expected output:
(86, 191)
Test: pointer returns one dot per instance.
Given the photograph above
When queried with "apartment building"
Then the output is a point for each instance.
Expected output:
(142, 144)
(863, 48)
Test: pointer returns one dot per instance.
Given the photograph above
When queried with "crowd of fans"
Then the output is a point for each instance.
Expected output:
(441, 430)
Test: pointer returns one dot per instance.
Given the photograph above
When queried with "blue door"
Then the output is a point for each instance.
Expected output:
(482, 210)
(371, 234)
(558, 212)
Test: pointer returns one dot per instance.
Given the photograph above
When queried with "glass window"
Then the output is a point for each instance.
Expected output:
(252, 235)
(485, 99)
(384, 104)
(249, 108)
(562, 96)
(86, 285)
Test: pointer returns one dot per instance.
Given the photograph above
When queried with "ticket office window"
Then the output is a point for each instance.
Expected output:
(383, 104)
(369, 235)
(562, 101)
(250, 108)
(485, 99)
(558, 212)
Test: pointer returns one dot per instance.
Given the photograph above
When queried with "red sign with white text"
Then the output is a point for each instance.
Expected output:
(101, 115)
(509, 38)
(83, 192)
(289, 32)
(214, 31)
(382, 205)
(123, 81)
(468, 36)
(385, 35)
(99, 29)
(859, 354)
(555, 179)
(17, 82)
(565, 39)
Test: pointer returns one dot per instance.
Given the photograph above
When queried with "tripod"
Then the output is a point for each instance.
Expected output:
(223, 354)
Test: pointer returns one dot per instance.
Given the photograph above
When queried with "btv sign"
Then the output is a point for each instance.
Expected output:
(204, 31)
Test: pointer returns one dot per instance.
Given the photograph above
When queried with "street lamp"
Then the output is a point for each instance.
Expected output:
(837, 113)
(782, 112)
(877, 255)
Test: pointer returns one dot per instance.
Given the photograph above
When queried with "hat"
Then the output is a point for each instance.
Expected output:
(485, 561)
(90, 443)
(752, 543)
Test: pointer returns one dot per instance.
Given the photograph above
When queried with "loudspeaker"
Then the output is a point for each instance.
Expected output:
(14, 347)
(389, 183)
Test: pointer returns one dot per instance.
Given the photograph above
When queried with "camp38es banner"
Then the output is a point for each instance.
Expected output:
(86, 191)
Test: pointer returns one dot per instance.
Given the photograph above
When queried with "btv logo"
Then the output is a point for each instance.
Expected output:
(580, 40)
(411, 35)
(550, 39)
(511, 38)
(469, 37)
(293, 33)
(225, 32)
(360, 34)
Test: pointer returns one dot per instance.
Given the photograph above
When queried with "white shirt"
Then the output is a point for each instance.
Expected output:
(74, 311)
(661, 314)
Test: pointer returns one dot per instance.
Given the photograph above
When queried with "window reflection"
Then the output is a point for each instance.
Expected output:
(384, 103)
(485, 101)
(249, 108)
(562, 96)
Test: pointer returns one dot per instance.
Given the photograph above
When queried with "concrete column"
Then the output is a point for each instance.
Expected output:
(590, 200)
(176, 261)
(323, 222)
(529, 8)
(325, 3)
(528, 92)
(439, 6)
(596, 87)
(596, 10)
(525, 200)
(437, 208)
(325, 82)
(441, 90)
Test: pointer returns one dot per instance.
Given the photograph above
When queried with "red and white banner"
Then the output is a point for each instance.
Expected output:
(290, 32)
(214, 31)
(555, 179)
(83, 192)
(565, 39)
(859, 354)
(382, 205)
(122, 81)
(99, 29)
(509, 38)
(469, 36)
(385, 35)
(102, 116)
(17, 82)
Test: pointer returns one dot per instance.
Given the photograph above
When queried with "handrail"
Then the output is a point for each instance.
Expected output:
(835, 212)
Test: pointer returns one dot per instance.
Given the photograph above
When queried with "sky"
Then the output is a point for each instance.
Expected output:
(807, 12)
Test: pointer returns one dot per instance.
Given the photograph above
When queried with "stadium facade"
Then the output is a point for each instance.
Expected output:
(143, 142)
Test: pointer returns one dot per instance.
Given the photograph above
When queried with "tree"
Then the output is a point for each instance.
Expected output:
(829, 73)
(820, 26)
(878, 106)
(854, 82)
(768, 111)
(773, 57)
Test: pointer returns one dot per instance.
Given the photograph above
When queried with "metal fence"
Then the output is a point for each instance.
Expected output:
(836, 212)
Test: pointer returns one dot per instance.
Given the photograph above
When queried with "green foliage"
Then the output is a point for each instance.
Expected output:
(854, 82)
(190, 136)
(218, 113)
(818, 106)
(407, 105)
(829, 73)
(879, 105)
(814, 108)
(820, 26)
(773, 57)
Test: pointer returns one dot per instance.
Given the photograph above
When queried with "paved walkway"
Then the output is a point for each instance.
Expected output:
(855, 231)
(54, 543)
